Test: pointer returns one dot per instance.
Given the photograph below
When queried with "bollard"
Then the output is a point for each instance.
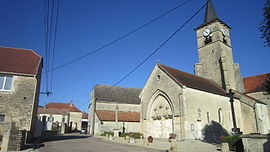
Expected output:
(173, 145)
(146, 143)
(225, 147)
(127, 138)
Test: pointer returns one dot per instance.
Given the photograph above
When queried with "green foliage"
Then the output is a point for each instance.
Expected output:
(231, 140)
(265, 24)
(104, 134)
(135, 135)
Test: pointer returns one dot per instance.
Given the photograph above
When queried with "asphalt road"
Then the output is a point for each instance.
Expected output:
(83, 143)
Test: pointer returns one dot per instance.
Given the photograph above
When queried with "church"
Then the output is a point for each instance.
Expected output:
(174, 101)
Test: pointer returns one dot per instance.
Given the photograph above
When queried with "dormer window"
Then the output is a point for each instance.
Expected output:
(6, 82)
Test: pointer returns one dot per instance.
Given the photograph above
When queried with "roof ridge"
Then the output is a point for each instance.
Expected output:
(115, 86)
(193, 75)
(22, 49)
(192, 80)
(257, 75)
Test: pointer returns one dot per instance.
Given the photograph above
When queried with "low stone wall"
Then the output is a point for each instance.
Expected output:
(13, 138)
(256, 142)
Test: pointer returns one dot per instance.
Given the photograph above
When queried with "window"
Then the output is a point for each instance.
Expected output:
(208, 117)
(220, 117)
(2, 118)
(50, 119)
(6, 82)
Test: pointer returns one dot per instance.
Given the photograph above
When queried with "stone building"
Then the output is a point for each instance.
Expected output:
(20, 74)
(173, 101)
(213, 102)
(114, 107)
(64, 116)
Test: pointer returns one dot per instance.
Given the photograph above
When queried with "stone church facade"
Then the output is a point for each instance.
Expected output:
(173, 101)
(189, 105)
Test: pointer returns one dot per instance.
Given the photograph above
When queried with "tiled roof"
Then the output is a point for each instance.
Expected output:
(84, 115)
(255, 83)
(17, 60)
(109, 93)
(44, 110)
(105, 115)
(60, 105)
(193, 81)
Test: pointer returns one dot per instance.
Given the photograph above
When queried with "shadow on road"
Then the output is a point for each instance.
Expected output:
(39, 142)
(62, 137)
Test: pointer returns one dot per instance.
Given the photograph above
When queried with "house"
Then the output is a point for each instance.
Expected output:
(114, 108)
(65, 117)
(20, 74)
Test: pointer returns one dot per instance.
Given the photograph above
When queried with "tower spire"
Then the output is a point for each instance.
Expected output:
(210, 13)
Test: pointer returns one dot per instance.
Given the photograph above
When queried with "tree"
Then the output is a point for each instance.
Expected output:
(265, 24)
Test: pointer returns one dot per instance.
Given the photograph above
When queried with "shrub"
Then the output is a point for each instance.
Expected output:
(105, 132)
(235, 142)
(136, 135)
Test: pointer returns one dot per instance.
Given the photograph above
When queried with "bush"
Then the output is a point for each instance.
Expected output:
(135, 135)
(104, 134)
(235, 142)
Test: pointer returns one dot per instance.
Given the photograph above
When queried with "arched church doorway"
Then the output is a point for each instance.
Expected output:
(160, 117)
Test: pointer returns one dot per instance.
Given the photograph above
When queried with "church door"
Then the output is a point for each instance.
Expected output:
(160, 122)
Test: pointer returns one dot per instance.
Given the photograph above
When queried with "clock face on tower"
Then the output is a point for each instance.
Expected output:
(206, 32)
(224, 32)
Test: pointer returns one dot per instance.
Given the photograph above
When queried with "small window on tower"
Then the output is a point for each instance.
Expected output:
(224, 40)
(208, 40)
(2, 118)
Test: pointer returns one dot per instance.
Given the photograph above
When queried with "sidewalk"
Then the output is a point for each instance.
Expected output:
(164, 145)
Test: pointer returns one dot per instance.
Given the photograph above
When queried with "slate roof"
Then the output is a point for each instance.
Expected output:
(109, 93)
(193, 81)
(210, 13)
(59, 105)
(16, 60)
(106, 115)
(255, 83)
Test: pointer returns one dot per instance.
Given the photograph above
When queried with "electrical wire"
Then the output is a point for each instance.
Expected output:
(158, 48)
(54, 42)
(118, 39)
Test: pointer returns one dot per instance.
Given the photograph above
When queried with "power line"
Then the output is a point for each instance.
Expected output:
(54, 42)
(46, 20)
(158, 48)
(118, 39)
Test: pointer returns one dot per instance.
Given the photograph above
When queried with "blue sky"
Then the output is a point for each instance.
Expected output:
(85, 25)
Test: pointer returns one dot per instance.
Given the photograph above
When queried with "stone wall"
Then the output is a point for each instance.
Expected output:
(109, 126)
(19, 102)
(101, 105)
(261, 96)
(75, 118)
(256, 143)
(19, 105)
(201, 108)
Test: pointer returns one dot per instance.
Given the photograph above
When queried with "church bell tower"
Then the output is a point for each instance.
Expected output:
(215, 52)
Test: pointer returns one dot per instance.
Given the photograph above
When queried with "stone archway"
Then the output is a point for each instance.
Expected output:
(160, 116)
